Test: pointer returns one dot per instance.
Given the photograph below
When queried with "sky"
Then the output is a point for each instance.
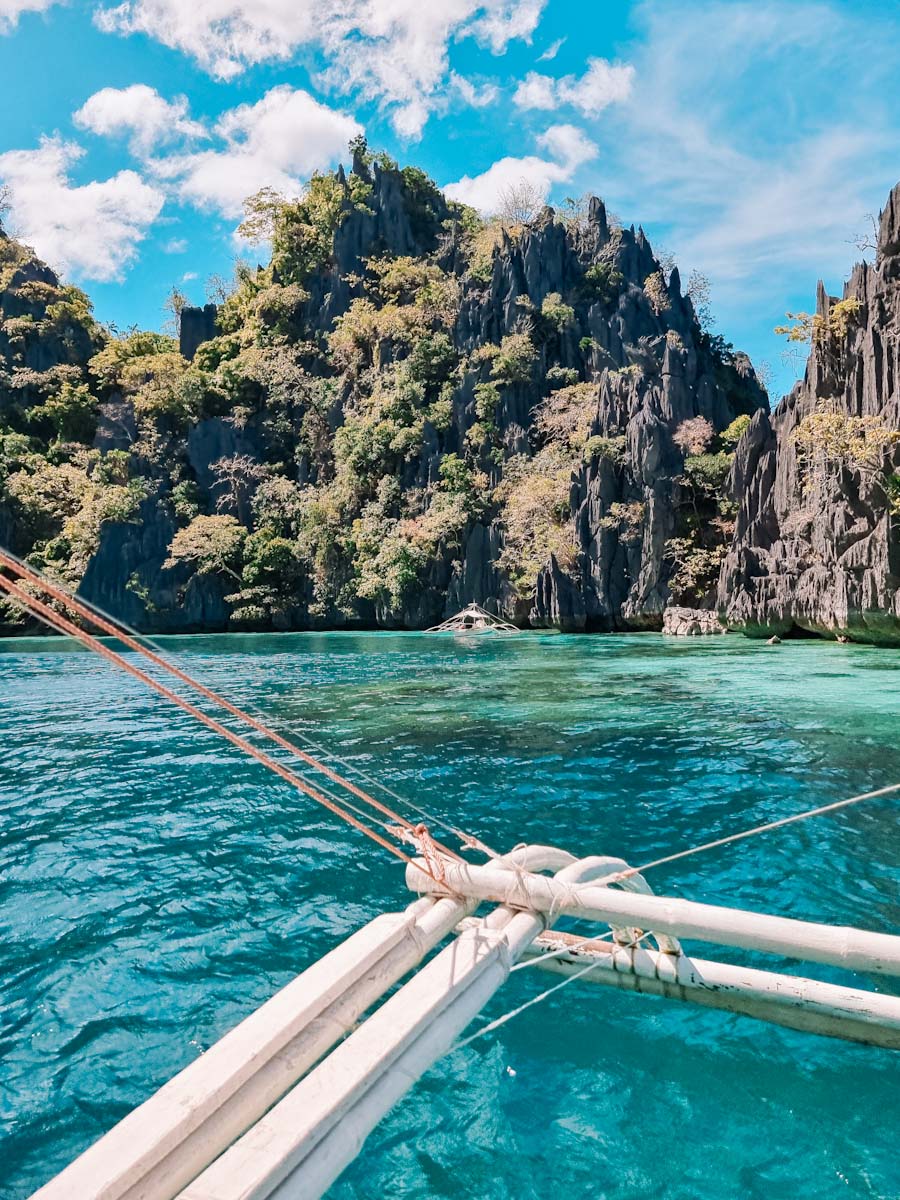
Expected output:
(752, 141)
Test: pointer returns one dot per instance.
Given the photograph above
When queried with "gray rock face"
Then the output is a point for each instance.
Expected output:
(651, 368)
(691, 622)
(30, 343)
(651, 372)
(558, 601)
(7, 528)
(126, 577)
(816, 544)
(197, 325)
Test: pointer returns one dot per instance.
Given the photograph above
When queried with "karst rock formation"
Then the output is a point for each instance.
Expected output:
(817, 535)
(409, 410)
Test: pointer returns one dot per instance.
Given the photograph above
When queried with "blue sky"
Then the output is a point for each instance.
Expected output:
(750, 140)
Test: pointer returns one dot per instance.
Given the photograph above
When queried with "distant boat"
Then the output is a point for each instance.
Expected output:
(474, 619)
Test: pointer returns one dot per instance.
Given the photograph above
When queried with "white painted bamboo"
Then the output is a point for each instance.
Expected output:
(585, 870)
(168, 1140)
(364, 1076)
(839, 946)
(805, 1004)
(154, 1151)
(343, 1143)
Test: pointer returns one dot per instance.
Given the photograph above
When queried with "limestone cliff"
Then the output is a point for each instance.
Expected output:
(817, 536)
(47, 336)
(407, 410)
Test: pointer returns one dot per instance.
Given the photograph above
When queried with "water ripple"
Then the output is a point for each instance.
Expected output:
(155, 887)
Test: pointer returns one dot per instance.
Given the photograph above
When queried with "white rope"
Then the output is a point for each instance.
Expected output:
(573, 946)
(290, 730)
(522, 1007)
(533, 962)
(747, 833)
(632, 871)
(568, 949)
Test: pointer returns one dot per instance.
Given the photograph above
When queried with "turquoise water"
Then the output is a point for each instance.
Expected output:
(155, 887)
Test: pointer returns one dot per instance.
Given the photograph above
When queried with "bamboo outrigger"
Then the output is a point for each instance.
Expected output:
(474, 619)
(283, 1103)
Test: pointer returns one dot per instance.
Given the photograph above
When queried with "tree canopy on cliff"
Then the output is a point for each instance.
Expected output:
(399, 375)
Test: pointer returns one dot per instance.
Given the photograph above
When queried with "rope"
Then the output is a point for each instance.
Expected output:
(568, 949)
(489, 1028)
(632, 871)
(748, 833)
(492, 1025)
(401, 827)
(467, 841)
(62, 625)
(115, 629)
(142, 644)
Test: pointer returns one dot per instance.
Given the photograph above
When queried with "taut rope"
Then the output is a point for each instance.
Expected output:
(62, 625)
(142, 645)
(748, 833)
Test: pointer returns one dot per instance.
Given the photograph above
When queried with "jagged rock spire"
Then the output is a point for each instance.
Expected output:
(824, 558)
(889, 226)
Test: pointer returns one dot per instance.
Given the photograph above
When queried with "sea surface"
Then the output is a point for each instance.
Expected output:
(156, 886)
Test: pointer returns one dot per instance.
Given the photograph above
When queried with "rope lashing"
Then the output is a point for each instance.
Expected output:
(489, 1028)
(421, 839)
(542, 996)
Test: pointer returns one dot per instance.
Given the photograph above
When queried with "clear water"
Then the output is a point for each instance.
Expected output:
(155, 887)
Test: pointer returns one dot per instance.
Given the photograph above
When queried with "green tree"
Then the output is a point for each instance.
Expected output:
(213, 545)
(515, 359)
(730, 436)
(71, 413)
(603, 282)
(262, 212)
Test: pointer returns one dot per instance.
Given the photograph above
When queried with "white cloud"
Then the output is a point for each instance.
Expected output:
(474, 96)
(393, 52)
(604, 83)
(93, 229)
(397, 52)
(175, 246)
(140, 112)
(224, 36)
(552, 50)
(11, 10)
(568, 149)
(276, 142)
(504, 21)
(570, 146)
(750, 188)
(536, 91)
